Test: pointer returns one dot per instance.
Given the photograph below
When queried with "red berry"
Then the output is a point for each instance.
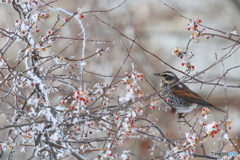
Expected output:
(199, 21)
(67, 19)
(81, 16)
(153, 107)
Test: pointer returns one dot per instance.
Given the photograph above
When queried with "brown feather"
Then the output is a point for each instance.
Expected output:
(182, 91)
(186, 94)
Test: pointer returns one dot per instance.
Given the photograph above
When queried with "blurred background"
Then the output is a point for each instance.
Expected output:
(159, 30)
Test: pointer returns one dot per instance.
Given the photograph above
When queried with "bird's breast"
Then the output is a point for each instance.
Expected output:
(179, 104)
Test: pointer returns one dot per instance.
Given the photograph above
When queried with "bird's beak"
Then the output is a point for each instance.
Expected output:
(158, 74)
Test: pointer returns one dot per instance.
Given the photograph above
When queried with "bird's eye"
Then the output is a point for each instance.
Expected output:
(164, 75)
(169, 78)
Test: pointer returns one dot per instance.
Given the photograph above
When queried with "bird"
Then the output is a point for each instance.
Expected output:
(178, 96)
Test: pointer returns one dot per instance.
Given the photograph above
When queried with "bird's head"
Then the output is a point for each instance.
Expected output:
(167, 77)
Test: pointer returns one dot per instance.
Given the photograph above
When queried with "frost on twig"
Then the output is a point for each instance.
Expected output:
(58, 101)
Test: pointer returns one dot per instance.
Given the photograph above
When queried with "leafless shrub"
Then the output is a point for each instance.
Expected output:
(52, 108)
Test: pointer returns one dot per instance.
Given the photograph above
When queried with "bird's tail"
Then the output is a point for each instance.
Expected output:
(217, 108)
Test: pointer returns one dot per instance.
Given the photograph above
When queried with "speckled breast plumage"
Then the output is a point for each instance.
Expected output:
(178, 96)
(177, 104)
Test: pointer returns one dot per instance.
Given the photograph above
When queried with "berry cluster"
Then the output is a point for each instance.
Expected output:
(211, 129)
(183, 54)
(82, 97)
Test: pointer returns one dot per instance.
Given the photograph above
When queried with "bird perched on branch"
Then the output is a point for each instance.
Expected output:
(179, 97)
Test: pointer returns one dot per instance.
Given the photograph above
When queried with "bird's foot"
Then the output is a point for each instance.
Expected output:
(173, 110)
(180, 115)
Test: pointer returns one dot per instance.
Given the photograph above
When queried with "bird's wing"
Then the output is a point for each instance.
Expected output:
(185, 93)
(182, 91)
